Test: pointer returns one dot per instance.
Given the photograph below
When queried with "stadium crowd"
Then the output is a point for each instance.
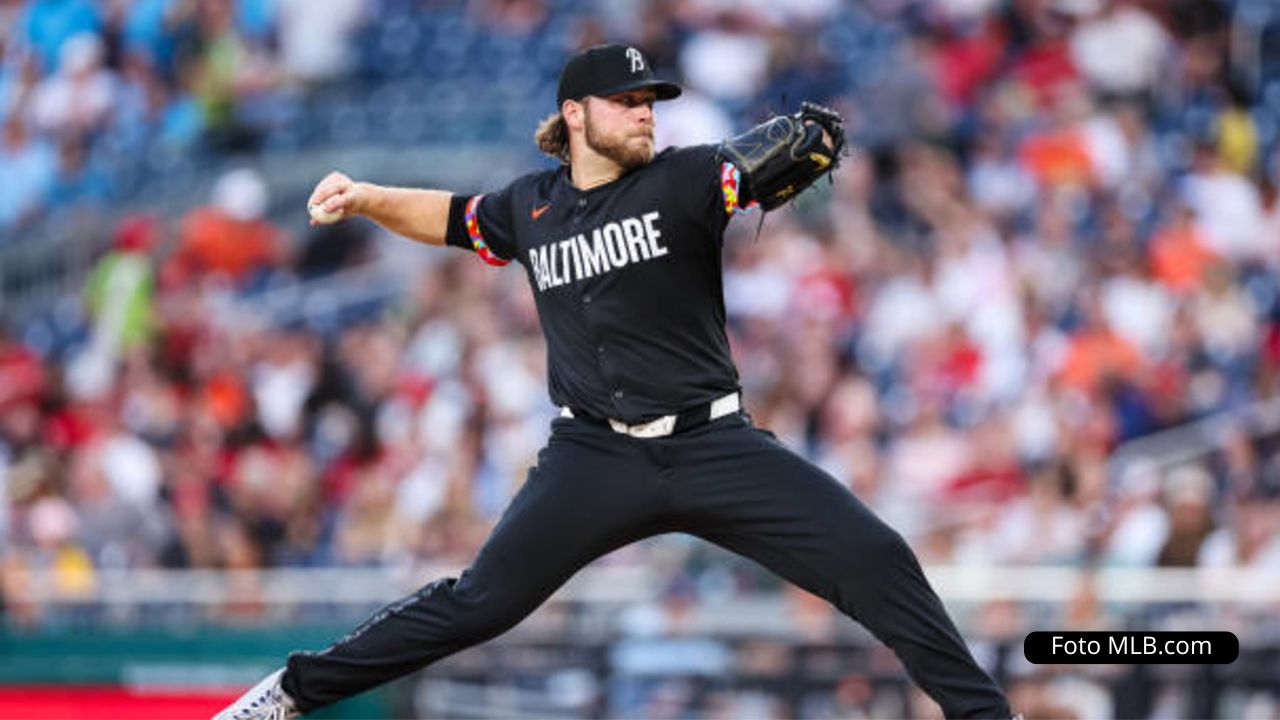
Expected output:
(1060, 232)
(86, 86)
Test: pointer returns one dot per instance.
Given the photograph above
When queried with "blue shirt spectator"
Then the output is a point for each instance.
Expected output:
(49, 23)
(78, 181)
(256, 18)
(145, 30)
(27, 169)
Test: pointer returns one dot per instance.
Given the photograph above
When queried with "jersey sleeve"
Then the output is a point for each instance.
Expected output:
(483, 224)
(716, 188)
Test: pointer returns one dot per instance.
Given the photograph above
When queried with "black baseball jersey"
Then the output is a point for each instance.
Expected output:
(627, 277)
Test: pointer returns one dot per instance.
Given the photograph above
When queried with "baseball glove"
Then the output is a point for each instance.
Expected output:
(785, 154)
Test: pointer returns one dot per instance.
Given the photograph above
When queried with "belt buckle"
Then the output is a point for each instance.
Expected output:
(660, 427)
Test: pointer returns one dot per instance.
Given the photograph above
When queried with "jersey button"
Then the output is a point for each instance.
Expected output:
(600, 349)
(582, 202)
(617, 393)
(586, 299)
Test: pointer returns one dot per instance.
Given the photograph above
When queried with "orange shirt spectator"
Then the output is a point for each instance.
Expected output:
(213, 242)
(1096, 354)
(1179, 256)
(1058, 157)
(226, 399)
(231, 236)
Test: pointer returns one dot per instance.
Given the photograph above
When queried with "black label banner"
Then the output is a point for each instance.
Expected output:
(1054, 647)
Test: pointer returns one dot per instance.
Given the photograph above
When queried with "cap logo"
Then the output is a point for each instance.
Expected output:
(637, 60)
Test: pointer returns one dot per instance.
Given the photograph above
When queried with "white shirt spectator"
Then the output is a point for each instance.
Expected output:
(1139, 535)
(441, 420)
(132, 468)
(1229, 211)
(726, 65)
(279, 390)
(80, 96)
(999, 185)
(1121, 50)
(695, 120)
(1222, 549)
(902, 311)
(976, 288)
(758, 289)
(315, 37)
(1140, 311)
(1227, 320)
(1036, 530)
(1035, 426)
(422, 493)
(1108, 149)
(921, 462)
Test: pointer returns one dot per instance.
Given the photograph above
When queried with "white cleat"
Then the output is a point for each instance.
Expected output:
(264, 701)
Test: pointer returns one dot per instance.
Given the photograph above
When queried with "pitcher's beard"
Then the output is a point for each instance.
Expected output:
(622, 151)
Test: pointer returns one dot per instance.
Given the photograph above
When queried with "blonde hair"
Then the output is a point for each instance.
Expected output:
(552, 137)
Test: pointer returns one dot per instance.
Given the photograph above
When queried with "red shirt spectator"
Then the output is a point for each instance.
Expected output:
(22, 377)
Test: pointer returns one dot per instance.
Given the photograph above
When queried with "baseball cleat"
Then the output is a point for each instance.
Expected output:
(264, 701)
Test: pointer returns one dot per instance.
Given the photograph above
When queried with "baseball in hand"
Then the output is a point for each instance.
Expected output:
(322, 216)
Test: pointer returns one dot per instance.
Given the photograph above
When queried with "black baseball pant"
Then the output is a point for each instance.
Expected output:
(594, 490)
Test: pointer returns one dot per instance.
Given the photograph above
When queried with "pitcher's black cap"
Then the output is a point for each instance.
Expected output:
(607, 69)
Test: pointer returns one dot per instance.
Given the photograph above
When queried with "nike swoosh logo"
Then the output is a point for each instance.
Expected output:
(537, 212)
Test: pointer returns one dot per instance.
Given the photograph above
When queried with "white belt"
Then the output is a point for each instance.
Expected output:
(665, 425)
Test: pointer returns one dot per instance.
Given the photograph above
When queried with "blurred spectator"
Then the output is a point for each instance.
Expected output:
(1237, 137)
(18, 69)
(728, 60)
(316, 46)
(1188, 500)
(998, 183)
(28, 166)
(228, 71)
(79, 184)
(1096, 353)
(146, 30)
(149, 110)
(1251, 539)
(283, 378)
(48, 24)
(119, 298)
(1140, 309)
(1225, 317)
(1227, 206)
(1121, 49)
(331, 248)
(76, 101)
(53, 527)
(696, 119)
(1043, 528)
(1180, 253)
(231, 238)
(22, 381)
(1139, 525)
(115, 481)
